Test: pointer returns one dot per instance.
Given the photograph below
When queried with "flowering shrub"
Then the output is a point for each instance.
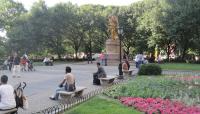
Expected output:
(159, 106)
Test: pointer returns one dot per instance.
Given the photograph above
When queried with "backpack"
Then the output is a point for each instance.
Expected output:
(19, 96)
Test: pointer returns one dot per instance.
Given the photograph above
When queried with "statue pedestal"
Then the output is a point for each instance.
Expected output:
(112, 51)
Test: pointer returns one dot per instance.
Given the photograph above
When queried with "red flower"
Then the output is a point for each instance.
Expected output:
(158, 105)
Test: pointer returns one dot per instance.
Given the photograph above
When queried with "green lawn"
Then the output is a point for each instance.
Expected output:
(180, 66)
(102, 105)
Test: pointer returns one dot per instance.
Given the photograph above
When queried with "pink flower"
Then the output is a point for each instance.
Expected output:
(158, 105)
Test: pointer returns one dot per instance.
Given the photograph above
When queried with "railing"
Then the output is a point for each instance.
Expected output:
(183, 72)
(60, 108)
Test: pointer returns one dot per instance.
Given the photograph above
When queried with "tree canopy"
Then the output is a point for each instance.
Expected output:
(68, 28)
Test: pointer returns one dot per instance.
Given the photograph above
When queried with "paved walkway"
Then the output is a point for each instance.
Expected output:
(43, 82)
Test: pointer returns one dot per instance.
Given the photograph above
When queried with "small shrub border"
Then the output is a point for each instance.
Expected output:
(150, 69)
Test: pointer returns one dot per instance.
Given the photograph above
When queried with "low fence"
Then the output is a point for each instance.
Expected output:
(61, 108)
(176, 72)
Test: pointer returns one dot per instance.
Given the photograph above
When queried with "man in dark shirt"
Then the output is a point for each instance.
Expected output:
(10, 62)
(99, 74)
(16, 66)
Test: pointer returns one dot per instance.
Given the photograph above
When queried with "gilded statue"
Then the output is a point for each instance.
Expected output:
(113, 26)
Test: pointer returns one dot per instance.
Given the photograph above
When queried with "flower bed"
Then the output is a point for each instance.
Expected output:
(191, 80)
(159, 106)
(157, 87)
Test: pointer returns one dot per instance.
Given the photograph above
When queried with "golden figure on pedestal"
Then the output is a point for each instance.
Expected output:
(113, 26)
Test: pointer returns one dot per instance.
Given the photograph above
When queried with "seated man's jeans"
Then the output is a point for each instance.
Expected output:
(95, 79)
(63, 88)
(56, 95)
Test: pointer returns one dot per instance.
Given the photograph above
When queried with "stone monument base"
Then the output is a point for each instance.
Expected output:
(111, 61)
(112, 51)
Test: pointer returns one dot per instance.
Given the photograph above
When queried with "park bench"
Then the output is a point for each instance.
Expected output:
(10, 111)
(77, 93)
(128, 72)
(107, 81)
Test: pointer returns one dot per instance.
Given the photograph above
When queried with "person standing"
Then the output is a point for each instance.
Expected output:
(10, 62)
(23, 62)
(89, 58)
(139, 59)
(106, 59)
(102, 58)
(7, 100)
(16, 66)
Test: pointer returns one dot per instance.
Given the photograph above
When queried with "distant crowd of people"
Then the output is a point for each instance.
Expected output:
(16, 64)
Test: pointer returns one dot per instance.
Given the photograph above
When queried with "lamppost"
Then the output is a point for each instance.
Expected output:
(120, 32)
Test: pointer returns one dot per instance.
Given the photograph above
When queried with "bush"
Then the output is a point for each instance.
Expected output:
(150, 69)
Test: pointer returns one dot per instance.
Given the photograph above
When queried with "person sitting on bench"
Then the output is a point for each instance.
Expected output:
(68, 84)
(48, 62)
(125, 66)
(7, 100)
(99, 74)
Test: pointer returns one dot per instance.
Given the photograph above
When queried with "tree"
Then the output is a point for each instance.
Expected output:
(151, 23)
(2, 46)
(94, 27)
(19, 39)
(59, 22)
(9, 11)
(185, 23)
(25, 34)
(128, 17)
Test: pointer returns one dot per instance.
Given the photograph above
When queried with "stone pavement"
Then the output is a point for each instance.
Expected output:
(42, 83)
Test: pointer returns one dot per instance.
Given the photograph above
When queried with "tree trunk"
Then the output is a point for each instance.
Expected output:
(168, 52)
(183, 54)
(184, 47)
(127, 50)
(90, 49)
(59, 56)
(76, 54)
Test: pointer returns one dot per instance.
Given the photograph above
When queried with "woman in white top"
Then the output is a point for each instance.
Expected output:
(7, 100)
